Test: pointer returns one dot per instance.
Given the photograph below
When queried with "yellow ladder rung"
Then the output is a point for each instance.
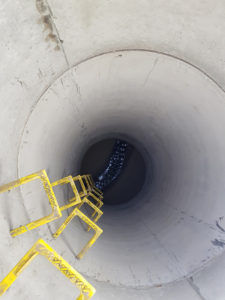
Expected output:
(42, 248)
(55, 214)
(82, 216)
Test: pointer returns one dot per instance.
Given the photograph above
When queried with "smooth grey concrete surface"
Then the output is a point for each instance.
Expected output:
(170, 245)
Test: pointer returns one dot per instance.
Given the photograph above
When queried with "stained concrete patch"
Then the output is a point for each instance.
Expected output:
(41, 6)
(46, 20)
(218, 243)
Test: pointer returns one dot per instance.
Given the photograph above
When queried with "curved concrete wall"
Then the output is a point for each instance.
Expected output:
(168, 243)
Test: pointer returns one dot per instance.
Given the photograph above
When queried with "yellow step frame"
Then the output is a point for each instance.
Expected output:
(94, 207)
(82, 216)
(55, 214)
(91, 181)
(42, 248)
(84, 192)
(74, 200)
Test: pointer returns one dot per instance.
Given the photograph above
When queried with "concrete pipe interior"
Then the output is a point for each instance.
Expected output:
(175, 116)
(173, 228)
(132, 177)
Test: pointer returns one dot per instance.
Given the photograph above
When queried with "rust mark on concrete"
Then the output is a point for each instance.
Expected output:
(41, 6)
(46, 20)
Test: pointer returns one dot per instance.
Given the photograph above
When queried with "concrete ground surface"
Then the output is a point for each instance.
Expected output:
(152, 72)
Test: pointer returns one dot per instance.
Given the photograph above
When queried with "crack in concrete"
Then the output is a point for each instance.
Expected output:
(170, 254)
(220, 227)
(211, 226)
(151, 70)
(195, 288)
